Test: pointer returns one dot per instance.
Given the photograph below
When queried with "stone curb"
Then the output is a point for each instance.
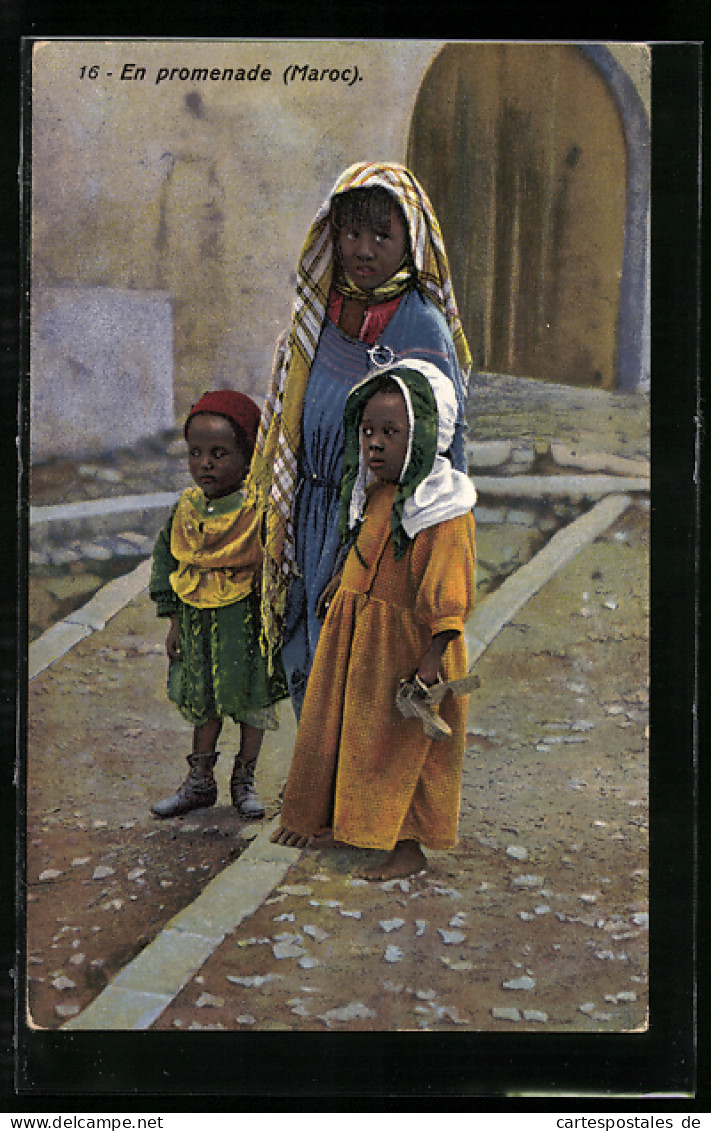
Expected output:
(53, 644)
(143, 989)
(573, 487)
(101, 523)
(146, 986)
(489, 618)
(92, 617)
(501, 453)
(107, 522)
(527, 486)
(97, 508)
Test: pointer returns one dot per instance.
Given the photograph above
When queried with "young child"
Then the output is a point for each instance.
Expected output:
(206, 565)
(362, 772)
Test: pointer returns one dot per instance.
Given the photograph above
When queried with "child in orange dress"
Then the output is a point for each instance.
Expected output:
(362, 773)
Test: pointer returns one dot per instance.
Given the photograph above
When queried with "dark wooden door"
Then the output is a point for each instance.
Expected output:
(521, 148)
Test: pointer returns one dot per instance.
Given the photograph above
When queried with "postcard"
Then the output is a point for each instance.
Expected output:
(266, 225)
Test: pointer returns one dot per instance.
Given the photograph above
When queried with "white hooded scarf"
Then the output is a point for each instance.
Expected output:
(445, 493)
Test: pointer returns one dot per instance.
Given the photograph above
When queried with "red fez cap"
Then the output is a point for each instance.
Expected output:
(237, 407)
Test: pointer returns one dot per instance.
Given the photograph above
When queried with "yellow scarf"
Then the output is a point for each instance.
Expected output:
(396, 285)
(274, 469)
(217, 547)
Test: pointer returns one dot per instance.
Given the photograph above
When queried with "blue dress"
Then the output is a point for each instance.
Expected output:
(416, 330)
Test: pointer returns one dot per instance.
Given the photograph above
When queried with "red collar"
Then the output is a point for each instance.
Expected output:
(375, 320)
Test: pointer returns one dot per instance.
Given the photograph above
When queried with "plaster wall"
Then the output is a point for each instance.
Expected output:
(203, 189)
(199, 189)
(102, 369)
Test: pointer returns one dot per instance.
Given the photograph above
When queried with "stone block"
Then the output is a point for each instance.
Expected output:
(167, 963)
(118, 1008)
(489, 516)
(487, 453)
(112, 598)
(101, 363)
(521, 517)
(54, 643)
(234, 894)
(566, 456)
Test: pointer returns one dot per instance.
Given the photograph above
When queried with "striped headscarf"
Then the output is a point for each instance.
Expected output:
(273, 475)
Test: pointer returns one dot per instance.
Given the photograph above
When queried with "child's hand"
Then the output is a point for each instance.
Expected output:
(327, 596)
(428, 667)
(172, 640)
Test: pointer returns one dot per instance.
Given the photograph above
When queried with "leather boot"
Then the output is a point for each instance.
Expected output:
(198, 791)
(244, 796)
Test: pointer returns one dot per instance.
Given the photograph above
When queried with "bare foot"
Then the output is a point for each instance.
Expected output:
(406, 859)
(288, 838)
(323, 839)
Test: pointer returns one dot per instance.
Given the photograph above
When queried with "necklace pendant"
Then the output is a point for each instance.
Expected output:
(381, 356)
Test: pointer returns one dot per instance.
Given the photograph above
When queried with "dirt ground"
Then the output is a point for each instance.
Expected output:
(538, 920)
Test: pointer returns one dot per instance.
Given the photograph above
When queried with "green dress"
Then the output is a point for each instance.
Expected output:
(222, 672)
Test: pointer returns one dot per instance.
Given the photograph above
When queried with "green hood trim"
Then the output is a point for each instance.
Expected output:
(422, 453)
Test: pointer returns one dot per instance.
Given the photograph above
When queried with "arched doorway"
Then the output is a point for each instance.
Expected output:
(524, 150)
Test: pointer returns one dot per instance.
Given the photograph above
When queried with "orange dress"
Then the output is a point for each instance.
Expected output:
(359, 766)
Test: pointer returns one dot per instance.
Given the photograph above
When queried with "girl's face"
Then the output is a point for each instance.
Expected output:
(384, 433)
(216, 460)
(370, 255)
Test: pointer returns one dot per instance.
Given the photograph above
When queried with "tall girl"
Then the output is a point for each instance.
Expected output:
(373, 285)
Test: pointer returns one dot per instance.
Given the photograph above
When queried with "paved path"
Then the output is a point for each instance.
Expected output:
(140, 994)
